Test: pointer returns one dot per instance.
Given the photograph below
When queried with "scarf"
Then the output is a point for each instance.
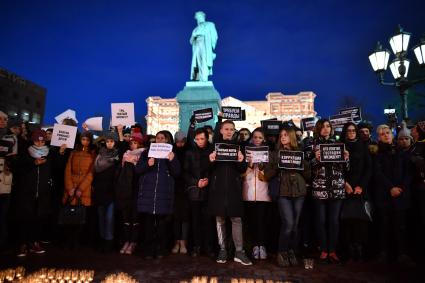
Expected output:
(132, 156)
(105, 159)
(38, 152)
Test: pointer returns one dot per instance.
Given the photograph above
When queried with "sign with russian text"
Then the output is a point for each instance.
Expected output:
(308, 124)
(232, 113)
(203, 115)
(160, 150)
(271, 127)
(339, 120)
(356, 113)
(289, 159)
(257, 154)
(332, 152)
(226, 152)
(122, 114)
(63, 134)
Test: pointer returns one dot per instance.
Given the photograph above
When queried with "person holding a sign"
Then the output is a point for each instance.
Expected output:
(156, 195)
(291, 171)
(225, 195)
(33, 193)
(392, 196)
(255, 194)
(328, 191)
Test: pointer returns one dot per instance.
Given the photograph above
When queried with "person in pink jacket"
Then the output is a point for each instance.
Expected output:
(257, 200)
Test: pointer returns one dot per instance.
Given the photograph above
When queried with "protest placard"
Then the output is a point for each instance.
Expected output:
(226, 152)
(290, 159)
(332, 152)
(68, 114)
(94, 123)
(339, 120)
(271, 127)
(308, 124)
(160, 150)
(232, 113)
(63, 134)
(257, 154)
(203, 115)
(122, 114)
(356, 113)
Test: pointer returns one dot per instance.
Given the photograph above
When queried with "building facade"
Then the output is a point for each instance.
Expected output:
(163, 113)
(21, 98)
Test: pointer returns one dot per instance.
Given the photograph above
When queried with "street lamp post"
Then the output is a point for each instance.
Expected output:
(399, 67)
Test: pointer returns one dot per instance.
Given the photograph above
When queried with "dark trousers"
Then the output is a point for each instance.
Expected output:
(131, 224)
(30, 230)
(203, 225)
(327, 223)
(256, 212)
(290, 211)
(155, 234)
(392, 226)
(4, 217)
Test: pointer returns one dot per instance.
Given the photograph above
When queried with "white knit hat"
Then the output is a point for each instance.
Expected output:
(404, 132)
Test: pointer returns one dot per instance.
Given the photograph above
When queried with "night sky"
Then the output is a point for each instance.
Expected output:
(91, 53)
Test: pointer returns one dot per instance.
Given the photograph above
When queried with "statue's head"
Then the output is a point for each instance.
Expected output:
(200, 17)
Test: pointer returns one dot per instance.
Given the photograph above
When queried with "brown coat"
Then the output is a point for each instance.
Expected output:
(79, 174)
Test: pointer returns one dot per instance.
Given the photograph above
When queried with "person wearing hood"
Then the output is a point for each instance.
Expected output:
(225, 194)
(105, 167)
(256, 198)
(126, 189)
(33, 193)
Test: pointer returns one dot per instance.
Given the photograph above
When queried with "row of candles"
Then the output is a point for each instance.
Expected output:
(206, 279)
(47, 275)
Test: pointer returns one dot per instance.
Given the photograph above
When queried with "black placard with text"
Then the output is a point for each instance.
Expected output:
(289, 159)
(356, 113)
(226, 152)
(339, 120)
(203, 115)
(308, 124)
(332, 152)
(233, 113)
(271, 127)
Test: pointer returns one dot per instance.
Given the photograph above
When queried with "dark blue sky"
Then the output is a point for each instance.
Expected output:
(91, 53)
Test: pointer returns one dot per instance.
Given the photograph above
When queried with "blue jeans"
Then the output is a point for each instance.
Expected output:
(290, 210)
(106, 221)
(327, 212)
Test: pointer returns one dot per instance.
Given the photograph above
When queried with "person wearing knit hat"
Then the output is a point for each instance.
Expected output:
(111, 136)
(137, 136)
(365, 129)
(38, 135)
(404, 138)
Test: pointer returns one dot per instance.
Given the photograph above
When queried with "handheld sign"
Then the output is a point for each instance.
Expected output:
(160, 150)
(332, 152)
(68, 114)
(356, 113)
(95, 123)
(63, 134)
(226, 152)
(308, 124)
(203, 115)
(258, 154)
(271, 127)
(339, 120)
(232, 113)
(122, 113)
(289, 159)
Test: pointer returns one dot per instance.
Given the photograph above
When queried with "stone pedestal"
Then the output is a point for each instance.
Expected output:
(197, 95)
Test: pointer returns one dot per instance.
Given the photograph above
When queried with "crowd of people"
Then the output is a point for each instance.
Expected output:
(370, 206)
